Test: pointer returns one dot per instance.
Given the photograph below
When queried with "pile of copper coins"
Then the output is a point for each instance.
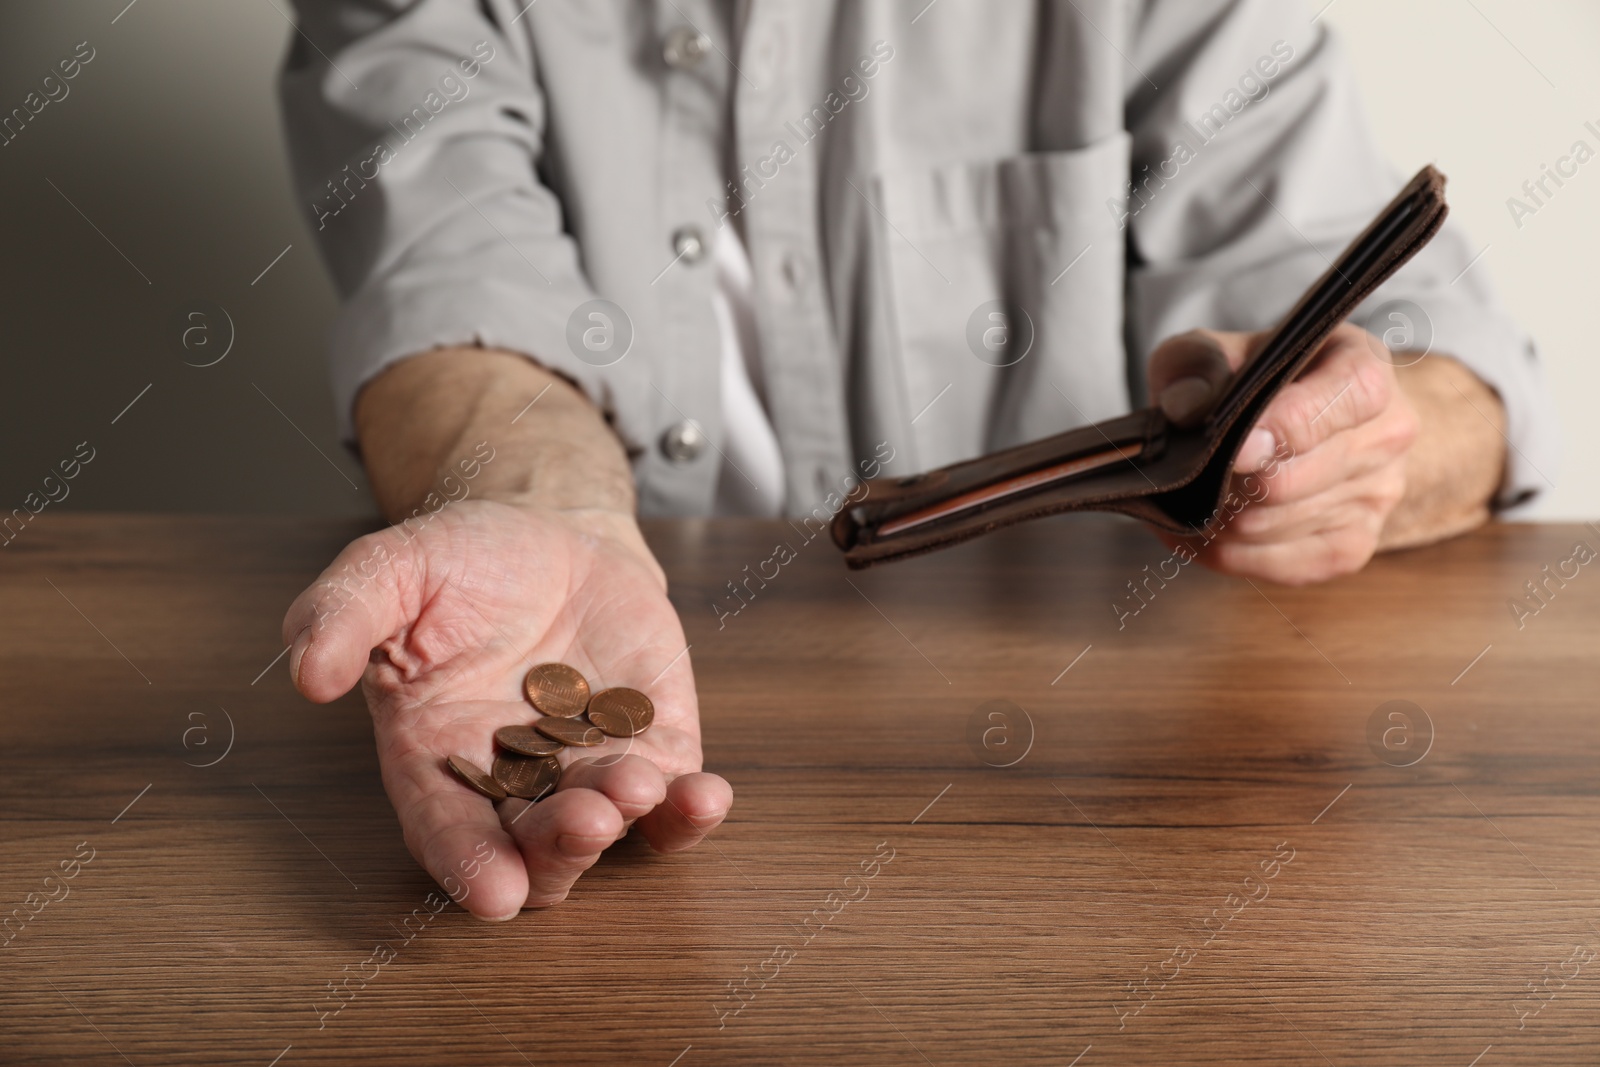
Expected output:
(526, 765)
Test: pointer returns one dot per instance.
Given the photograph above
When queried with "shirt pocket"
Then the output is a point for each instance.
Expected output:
(1005, 283)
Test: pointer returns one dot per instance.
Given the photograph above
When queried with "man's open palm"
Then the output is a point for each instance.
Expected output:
(441, 628)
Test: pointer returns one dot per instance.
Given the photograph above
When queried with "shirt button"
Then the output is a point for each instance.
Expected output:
(689, 245)
(684, 442)
(792, 270)
(685, 47)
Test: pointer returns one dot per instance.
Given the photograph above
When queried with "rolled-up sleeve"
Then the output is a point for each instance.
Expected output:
(1253, 167)
(415, 130)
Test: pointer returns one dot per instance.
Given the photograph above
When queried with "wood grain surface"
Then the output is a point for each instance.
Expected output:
(1197, 855)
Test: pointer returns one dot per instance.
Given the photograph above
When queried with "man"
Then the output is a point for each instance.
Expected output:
(703, 256)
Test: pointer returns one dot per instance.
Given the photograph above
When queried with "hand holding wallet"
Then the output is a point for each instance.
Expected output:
(1139, 464)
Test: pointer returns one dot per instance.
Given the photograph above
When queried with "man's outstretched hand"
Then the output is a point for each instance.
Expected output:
(440, 636)
(1367, 450)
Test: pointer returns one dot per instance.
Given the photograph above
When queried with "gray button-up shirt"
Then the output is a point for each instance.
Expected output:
(1099, 174)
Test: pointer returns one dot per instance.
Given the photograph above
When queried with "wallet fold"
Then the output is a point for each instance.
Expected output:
(1139, 464)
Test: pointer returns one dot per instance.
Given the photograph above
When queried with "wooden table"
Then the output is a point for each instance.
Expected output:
(884, 892)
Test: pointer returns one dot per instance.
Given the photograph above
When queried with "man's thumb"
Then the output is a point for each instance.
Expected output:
(355, 605)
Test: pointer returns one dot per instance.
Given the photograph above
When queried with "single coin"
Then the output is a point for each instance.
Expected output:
(621, 712)
(570, 731)
(527, 777)
(557, 689)
(526, 741)
(474, 776)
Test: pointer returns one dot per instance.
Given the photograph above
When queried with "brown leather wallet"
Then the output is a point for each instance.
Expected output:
(1140, 464)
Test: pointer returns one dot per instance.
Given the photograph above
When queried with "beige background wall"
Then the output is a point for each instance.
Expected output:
(1463, 84)
(168, 144)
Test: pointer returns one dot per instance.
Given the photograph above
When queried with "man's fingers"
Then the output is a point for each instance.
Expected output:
(1302, 561)
(695, 805)
(563, 835)
(456, 835)
(1346, 387)
(560, 838)
(1259, 447)
(1310, 488)
(357, 603)
(1350, 457)
(1186, 373)
(632, 783)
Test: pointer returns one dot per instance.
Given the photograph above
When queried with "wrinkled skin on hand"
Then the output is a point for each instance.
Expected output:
(440, 636)
(1346, 425)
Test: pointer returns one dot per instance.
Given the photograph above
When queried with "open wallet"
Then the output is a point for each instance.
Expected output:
(1139, 464)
